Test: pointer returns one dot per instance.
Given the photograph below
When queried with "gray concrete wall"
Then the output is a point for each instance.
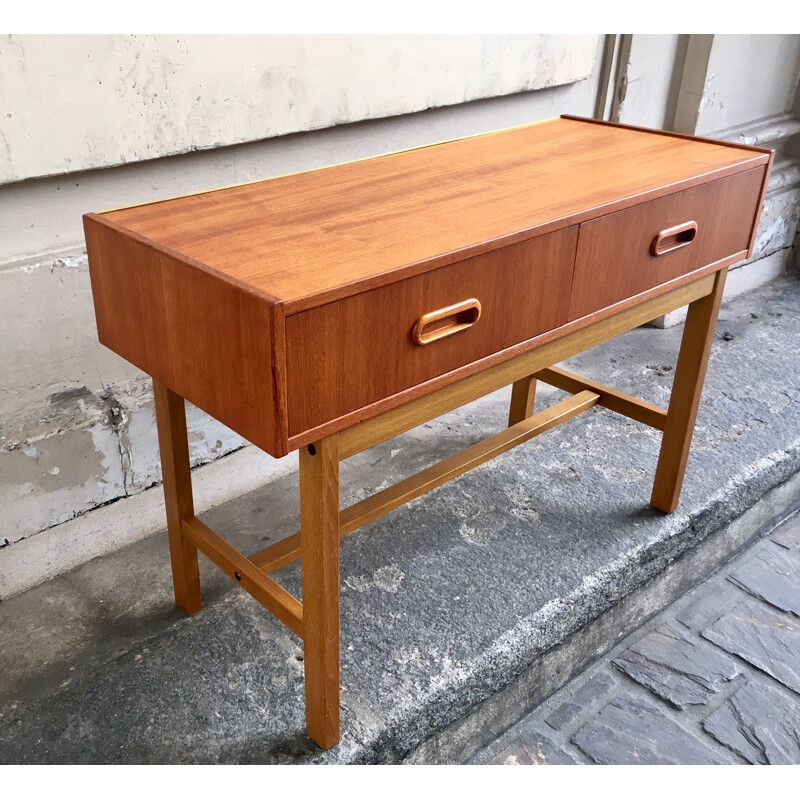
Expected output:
(78, 457)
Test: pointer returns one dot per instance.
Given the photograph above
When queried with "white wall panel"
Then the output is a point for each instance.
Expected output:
(70, 103)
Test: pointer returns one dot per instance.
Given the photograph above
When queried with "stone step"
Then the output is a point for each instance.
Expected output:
(681, 689)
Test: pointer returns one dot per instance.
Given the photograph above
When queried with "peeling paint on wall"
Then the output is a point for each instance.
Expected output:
(49, 337)
(80, 102)
(83, 450)
(65, 462)
(748, 77)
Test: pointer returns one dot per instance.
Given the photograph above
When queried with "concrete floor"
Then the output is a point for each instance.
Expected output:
(447, 603)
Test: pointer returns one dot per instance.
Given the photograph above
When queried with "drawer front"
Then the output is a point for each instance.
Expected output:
(349, 354)
(621, 255)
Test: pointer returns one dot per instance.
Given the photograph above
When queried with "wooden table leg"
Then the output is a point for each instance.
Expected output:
(174, 446)
(523, 394)
(319, 543)
(698, 335)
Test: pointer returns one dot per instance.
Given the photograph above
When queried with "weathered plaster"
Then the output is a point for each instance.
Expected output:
(749, 77)
(49, 336)
(107, 528)
(143, 97)
(55, 463)
(741, 88)
(649, 80)
(136, 426)
(83, 450)
(693, 81)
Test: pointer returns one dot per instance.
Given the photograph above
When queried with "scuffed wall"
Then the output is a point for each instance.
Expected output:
(748, 78)
(72, 103)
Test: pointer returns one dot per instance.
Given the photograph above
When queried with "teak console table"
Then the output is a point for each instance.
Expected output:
(330, 310)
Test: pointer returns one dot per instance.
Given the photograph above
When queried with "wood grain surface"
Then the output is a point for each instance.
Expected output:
(615, 258)
(346, 355)
(315, 236)
(206, 339)
(319, 545)
(684, 402)
(419, 407)
(173, 444)
(310, 311)
(284, 307)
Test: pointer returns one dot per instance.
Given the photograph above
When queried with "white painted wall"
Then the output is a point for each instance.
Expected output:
(73, 103)
(649, 80)
(748, 78)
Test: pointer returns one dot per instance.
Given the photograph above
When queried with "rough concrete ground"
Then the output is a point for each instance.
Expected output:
(713, 679)
(444, 602)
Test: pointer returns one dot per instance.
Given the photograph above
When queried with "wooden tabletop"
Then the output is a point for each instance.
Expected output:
(316, 236)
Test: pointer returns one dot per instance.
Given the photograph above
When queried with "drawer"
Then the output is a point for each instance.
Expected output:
(617, 257)
(349, 354)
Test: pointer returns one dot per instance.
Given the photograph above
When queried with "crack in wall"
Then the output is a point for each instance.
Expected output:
(118, 421)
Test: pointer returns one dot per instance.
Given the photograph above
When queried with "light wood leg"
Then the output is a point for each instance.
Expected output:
(174, 446)
(319, 543)
(698, 335)
(523, 395)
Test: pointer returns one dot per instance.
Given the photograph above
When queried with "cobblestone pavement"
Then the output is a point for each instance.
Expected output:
(713, 679)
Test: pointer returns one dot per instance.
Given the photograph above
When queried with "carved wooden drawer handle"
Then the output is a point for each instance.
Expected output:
(446, 321)
(674, 238)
